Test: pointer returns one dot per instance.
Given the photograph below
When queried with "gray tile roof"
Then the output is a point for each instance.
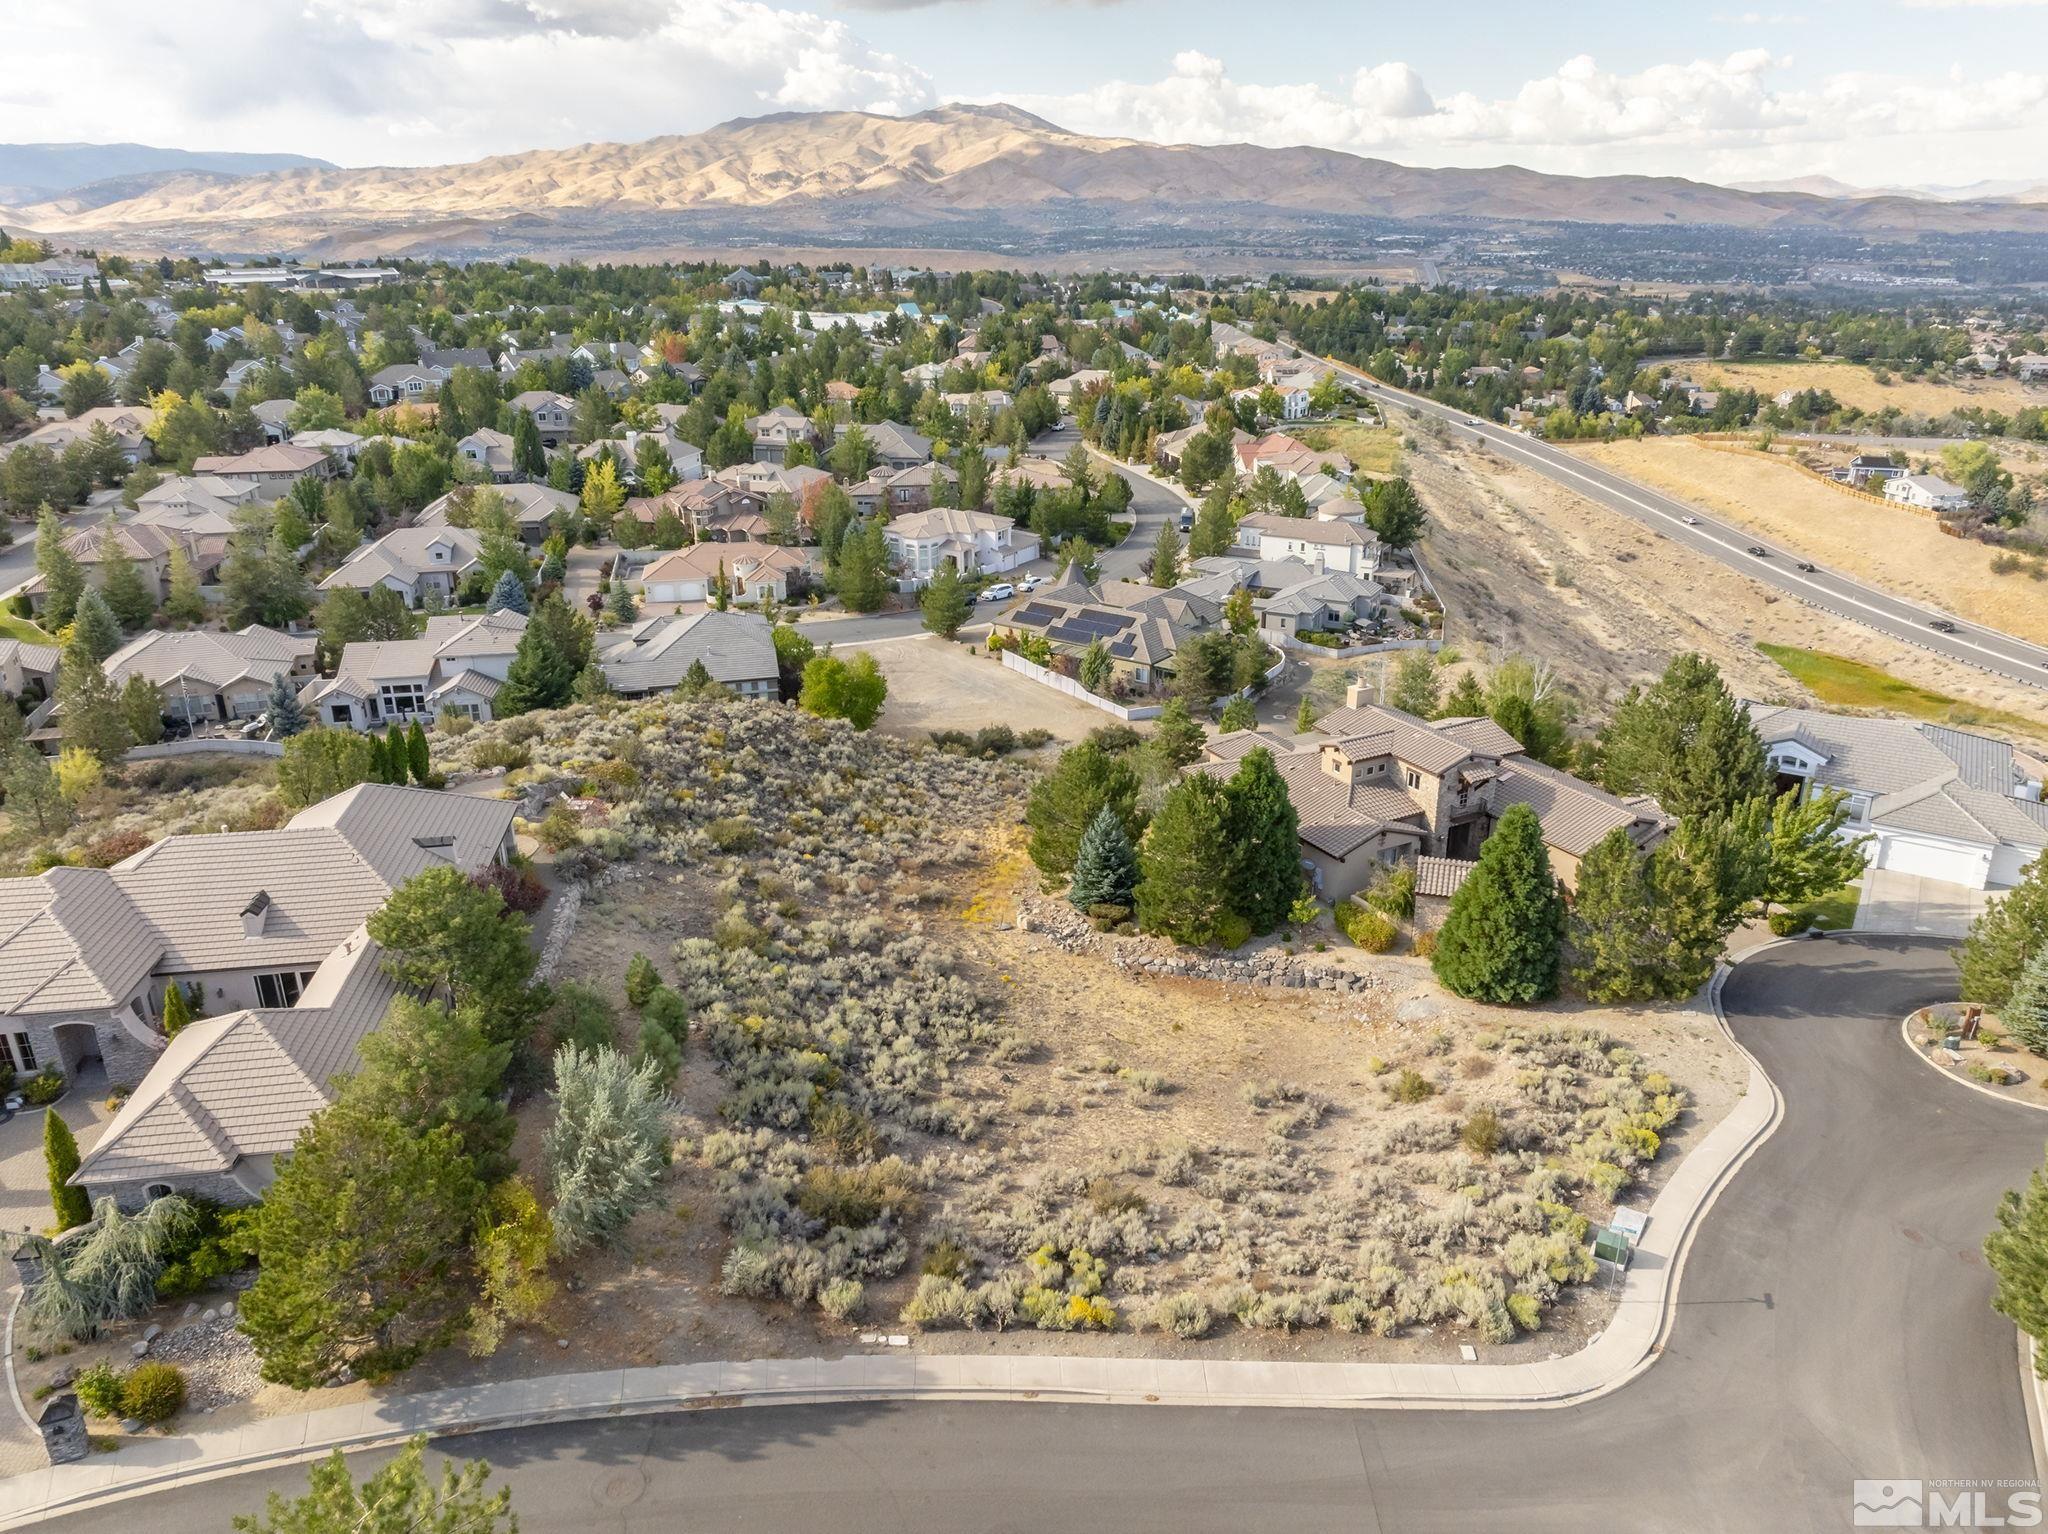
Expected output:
(216, 660)
(1440, 877)
(655, 654)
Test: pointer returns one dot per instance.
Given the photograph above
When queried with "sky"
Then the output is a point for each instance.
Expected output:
(1872, 92)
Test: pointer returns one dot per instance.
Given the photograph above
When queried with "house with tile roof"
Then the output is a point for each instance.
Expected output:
(1289, 596)
(1140, 626)
(655, 654)
(454, 666)
(266, 928)
(1373, 786)
(711, 509)
(28, 671)
(686, 577)
(207, 677)
(978, 542)
(1936, 802)
(534, 507)
(412, 561)
(1323, 543)
(147, 544)
(273, 468)
(895, 445)
(775, 431)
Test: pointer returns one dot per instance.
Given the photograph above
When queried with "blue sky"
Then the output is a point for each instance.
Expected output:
(1872, 92)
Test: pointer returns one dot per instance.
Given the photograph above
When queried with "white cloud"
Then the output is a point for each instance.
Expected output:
(435, 80)
(1579, 117)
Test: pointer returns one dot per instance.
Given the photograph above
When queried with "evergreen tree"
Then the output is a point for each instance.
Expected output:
(418, 763)
(1188, 867)
(1809, 857)
(591, 684)
(1215, 528)
(1500, 942)
(508, 595)
(91, 710)
(1066, 800)
(861, 577)
(527, 452)
(1176, 739)
(1394, 513)
(177, 1010)
(1105, 866)
(1416, 685)
(379, 764)
(33, 797)
(607, 1145)
(60, 1160)
(426, 1067)
(1687, 741)
(363, 1249)
(287, 714)
(142, 709)
(1238, 714)
(2018, 1253)
(63, 578)
(2025, 1013)
(320, 763)
(541, 675)
(397, 765)
(128, 595)
(1166, 556)
(1465, 700)
(945, 603)
(620, 605)
(446, 937)
(1305, 715)
(1265, 835)
(2008, 931)
(1614, 944)
(95, 627)
(184, 604)
(399, 1498)
(1097, 667)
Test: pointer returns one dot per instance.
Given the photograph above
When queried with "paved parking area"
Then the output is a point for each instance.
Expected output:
(1910, 904)
(24, 1183)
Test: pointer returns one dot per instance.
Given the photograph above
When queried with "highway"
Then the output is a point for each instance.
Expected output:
(1832, 1325)
(1970, 643)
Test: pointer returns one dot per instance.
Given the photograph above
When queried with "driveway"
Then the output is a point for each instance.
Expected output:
(24, 1183)
(1916, 907)
(1833, 1324)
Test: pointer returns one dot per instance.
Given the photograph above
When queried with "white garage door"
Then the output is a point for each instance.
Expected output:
(1930, 859)
(2008, 864)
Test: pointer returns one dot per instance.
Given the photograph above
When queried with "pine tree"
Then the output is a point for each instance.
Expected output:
(1166, 556)
(1613, 940)
(1465, 701)
(1066, 800)
(287, 714)
(1176, 739)
(129, 596)
(2025, 1013)
(379, 764)
(63, 578)
(1265, 836)
(508, 595)
(184, 604)
(1188, 867)
(60, 1160)
(1305, 715)
(177, 1010)
(2018, 1253)
(426, 1066)
(541, 674)
(2004, 936)
(1215, 527)
(1686, 740)
(945, 603)
(1809, 856)
(94, 626)
(141, 703)
(1238, 714)
(862, 575)
(418, 762)
(1106, 866)
(1416, 684)
(1501, 940)
(91, 710)
(620, 605)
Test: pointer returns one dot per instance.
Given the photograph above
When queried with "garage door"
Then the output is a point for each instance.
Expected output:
(2008, 864)
(1934, 860)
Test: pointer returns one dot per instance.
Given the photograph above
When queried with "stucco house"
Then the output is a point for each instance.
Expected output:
(1937, 802)
(775, 431)
(978, 542)
(655, 654)
(147, 544)
(1324, 544)
(455, 666)
(212, 678)
(272, 469)
(267, 929)
(688, 575)
(412, 561)
(533, 507)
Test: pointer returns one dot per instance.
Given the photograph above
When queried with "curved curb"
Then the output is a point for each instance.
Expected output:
(869, 1378)
(1906, 1033)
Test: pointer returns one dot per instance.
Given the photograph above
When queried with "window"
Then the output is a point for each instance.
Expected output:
(281, 989)
(22, 1055)
(1414, 778)
(402, 697)
(156, 1190)
(339, 713)
(7, 1054)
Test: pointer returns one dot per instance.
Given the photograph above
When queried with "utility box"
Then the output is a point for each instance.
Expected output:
(63, 1428)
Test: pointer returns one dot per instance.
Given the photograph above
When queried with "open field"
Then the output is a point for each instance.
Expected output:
(1374, 449)
(935, 684)
(1841, 683)
(1527, 567)
(1857, 386)
(1905, 554)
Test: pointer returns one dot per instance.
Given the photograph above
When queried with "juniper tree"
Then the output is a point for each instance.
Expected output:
(1105, 866)
(1187, 866)
(2025, 1013)
(1614, 944)
(1067, 799)
(607, 1145)
(177, 1010)
(419, 763)
(1265, 836)
(60, 1160)
(1500, 942)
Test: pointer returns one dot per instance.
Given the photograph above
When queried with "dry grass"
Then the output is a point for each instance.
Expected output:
(1374, 449)
(1857, 386)
(936, 684)
(1905, 554)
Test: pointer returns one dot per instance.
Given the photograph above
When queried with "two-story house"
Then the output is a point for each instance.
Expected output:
(775, 431)
(412, 561)
(553, 414)
(977, 542)
(455, 666)
(1332, 544)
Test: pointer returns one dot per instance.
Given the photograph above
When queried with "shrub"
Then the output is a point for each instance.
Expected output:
(520, 889)
(1371, 930)
(1425, 944)
(217, 1243)
(842, 1298)
(1108, 1196)
(43, 1088)
(99, 1391)
(1482, 1132)
(945, 1259)
(559, 829)
(1526, 1311)
(1411, 1086)
(641, 979)
(153, 1392)
(854, 1197)
(843, 1130)
(504, 754)
(1185, 1315)
(938, 1302)
(106, 851)
(1785, 923)
(1393, 892)
(731, 833)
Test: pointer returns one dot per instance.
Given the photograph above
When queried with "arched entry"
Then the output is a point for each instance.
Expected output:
(78, 1047)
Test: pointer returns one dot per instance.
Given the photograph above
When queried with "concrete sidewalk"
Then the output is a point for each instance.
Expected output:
(1627, 1346)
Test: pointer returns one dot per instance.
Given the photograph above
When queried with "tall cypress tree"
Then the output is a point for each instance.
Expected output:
(177, 1010)
(60, 1159)
(1106, 868)
(417, 761)
(397, 767)
(1187, 865)
(1266, 835)
(1614, 945)
(1502, 939)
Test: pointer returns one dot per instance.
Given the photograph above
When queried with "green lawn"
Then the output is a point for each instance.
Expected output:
(1848, 683)
(1831, 913)
(12, 627)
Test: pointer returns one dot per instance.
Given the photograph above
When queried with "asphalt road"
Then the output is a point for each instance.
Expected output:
(1971, 643)
(1833, 1325)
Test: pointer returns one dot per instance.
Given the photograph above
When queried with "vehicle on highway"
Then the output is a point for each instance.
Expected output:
(1941, 625)
(1692, 521)
(1806, 566)
(1001, 591)
(1759, 551)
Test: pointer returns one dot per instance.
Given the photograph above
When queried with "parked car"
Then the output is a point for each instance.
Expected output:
(1187, 518)
(1941, 625)
(1001, 591)
(1030, 583)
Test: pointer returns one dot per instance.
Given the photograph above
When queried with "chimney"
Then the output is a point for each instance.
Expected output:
(253, 914)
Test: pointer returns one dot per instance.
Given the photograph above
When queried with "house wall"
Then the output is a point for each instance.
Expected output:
(1339, 878)
(222, 1187)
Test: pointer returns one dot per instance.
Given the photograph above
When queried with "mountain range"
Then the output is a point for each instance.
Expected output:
(29, 172)
(830, 175)
(1975, 191)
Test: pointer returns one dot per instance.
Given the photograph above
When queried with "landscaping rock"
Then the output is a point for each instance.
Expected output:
(131, 1424)
(151, 1332)
(139, 1350)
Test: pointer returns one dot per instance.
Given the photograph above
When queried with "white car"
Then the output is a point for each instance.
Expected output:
(1001, 591)
(1030, 583)
(1692, 521)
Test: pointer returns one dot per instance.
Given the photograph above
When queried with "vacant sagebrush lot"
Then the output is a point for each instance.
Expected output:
(902, 1111)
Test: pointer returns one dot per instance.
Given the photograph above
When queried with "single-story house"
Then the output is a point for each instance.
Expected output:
(1929, 492)
(207, 677)
(274, 468)
(689, 575)
(534, 507)
(655, 654)
(411, 561)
